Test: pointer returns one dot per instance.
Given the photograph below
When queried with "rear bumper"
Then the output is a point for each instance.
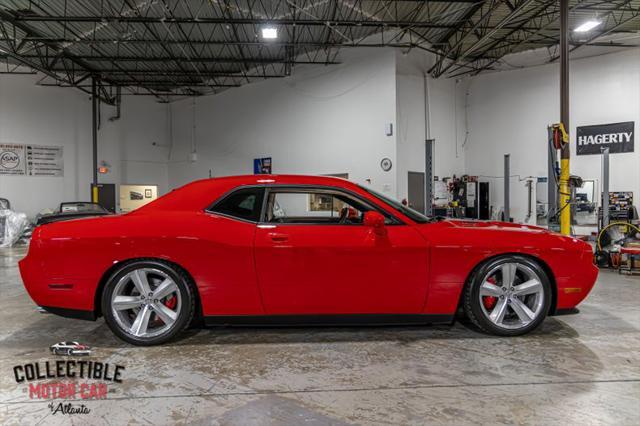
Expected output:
(55, 293)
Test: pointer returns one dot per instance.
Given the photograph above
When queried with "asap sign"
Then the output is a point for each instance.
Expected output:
(618, 137)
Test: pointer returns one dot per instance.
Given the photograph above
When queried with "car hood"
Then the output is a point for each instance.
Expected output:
(494, 234)
(497, 226)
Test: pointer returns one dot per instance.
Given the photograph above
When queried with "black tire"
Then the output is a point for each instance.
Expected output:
(186, 312)
(472, 304)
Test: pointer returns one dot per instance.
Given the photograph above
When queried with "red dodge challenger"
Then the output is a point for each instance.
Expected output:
(263, 250)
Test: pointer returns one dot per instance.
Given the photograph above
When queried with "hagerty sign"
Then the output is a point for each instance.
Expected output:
(618, 137)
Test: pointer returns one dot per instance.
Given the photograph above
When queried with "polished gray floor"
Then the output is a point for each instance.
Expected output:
(581, 369)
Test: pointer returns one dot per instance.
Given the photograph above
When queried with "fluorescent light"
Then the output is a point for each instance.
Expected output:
(269, 33)
(587, 26)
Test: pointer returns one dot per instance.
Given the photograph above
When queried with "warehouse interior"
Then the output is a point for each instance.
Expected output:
(449, 106)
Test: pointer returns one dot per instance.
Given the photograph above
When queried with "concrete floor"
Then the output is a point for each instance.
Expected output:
(581, 369)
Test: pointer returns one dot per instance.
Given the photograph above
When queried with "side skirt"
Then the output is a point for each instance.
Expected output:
(567, 311)
(71, 313)
(324, 320)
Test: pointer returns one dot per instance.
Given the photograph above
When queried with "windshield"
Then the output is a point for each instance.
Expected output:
(407, 211)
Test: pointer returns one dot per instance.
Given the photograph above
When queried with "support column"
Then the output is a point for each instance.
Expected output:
(507, 173)
(605, 187)
(552, 182)
(94, 134)
(565, 154)
(428, 177)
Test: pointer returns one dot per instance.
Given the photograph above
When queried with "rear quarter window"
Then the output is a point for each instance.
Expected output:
(245, 204)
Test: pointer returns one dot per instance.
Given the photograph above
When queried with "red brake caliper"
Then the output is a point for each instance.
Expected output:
(489, 301)
(171, 302)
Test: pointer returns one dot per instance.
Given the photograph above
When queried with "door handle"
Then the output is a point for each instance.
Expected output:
(279, 238)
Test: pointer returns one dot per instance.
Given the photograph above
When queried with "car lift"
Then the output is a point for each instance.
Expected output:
(559, 185)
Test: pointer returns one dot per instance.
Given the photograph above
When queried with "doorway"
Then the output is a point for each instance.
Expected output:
(416, 191)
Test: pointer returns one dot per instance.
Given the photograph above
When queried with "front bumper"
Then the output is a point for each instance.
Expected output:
(574, 289)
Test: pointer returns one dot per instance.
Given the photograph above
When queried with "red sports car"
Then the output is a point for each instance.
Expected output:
(263, 250)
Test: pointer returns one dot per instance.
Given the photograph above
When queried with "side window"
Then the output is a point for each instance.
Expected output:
(243, 204)
(314, 208)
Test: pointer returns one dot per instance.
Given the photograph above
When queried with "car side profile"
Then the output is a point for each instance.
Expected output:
(267, 249)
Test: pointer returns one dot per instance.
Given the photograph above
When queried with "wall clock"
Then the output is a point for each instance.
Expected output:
(386, 164)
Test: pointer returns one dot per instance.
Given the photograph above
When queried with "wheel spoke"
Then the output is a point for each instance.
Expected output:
(139, 295)
(508, 274)
(522, 310)
(165, 288)
(528, 287)
(489, 289)
(139, 278)
(497, 315)
(139, 326)
(166, 315)
(121, 303)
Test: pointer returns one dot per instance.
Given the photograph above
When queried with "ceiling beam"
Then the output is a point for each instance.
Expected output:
(227, 60)
(262, 44)
(461, 35)
(233, 21)
(165, 84)
(625, 16)
(539, 13)
(35, 62)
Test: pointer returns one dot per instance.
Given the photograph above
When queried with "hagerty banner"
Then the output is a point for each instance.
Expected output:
(618, 137)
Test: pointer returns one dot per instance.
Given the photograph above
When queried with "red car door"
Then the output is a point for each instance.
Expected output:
(315, 256)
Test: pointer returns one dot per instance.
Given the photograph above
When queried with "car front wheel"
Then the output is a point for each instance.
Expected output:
(508, 296)
(148, 302)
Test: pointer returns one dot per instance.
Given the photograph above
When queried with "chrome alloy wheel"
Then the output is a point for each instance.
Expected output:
(512, 295)
(146, 302)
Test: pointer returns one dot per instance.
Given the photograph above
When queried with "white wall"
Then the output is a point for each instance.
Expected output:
(446, 118)
(326, 120)
(509, 113)
(31, 114)
(137, 145)
(322, 120)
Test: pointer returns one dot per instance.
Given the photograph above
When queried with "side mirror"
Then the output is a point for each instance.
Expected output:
(374, 220)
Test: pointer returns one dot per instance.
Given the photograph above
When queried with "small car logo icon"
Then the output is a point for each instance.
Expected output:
(70, 348)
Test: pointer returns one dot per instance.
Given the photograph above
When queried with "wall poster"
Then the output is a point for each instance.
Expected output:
(31, 160)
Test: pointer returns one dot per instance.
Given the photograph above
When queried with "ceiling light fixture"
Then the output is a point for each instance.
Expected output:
(587, 26)
(269, 33)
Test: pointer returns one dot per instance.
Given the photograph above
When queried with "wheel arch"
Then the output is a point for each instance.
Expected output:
(97, 301)
(539, 261)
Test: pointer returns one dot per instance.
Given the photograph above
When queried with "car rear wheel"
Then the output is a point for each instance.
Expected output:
(148, 302)
(508, 296)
